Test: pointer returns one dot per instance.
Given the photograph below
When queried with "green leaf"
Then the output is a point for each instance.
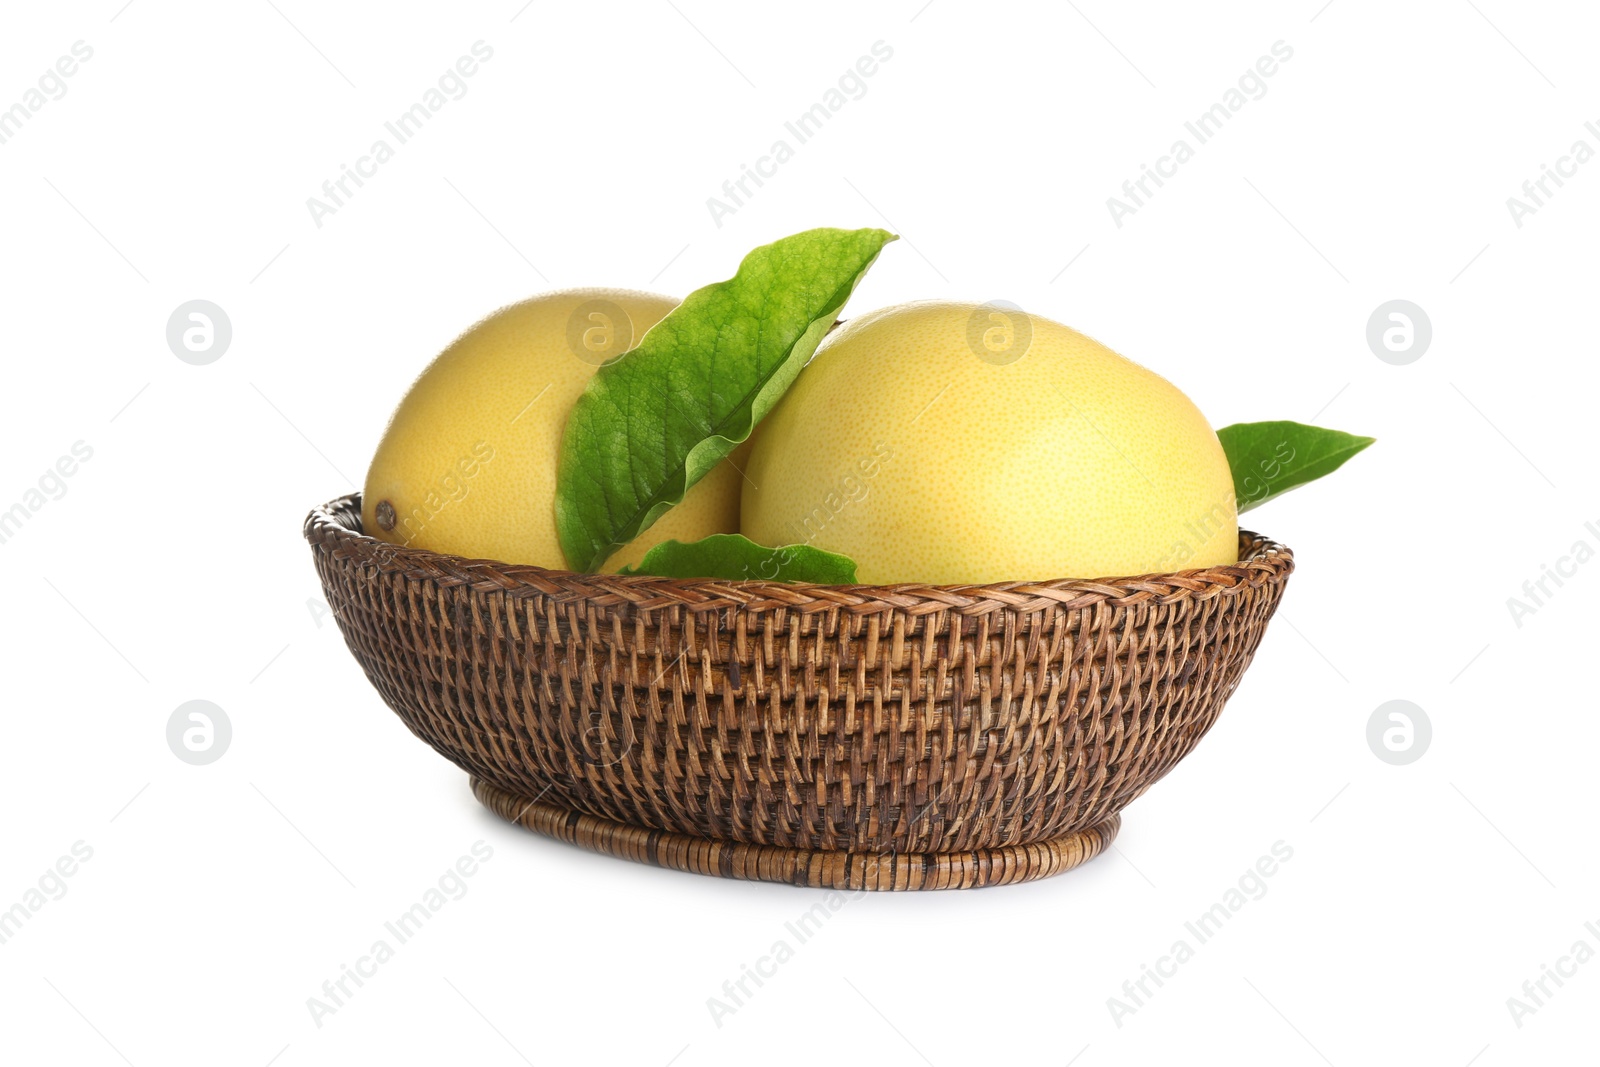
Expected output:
(737, 558)
(1270, 458)
(651, 423)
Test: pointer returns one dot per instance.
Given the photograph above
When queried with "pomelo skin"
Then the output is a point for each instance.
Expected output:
(954, 443)
(468, 462)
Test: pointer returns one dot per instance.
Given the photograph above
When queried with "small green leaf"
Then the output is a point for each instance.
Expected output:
(737, 558)
(1270, 458)
(653, 422)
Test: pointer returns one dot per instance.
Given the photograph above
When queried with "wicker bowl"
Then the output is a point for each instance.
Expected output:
(851, 737)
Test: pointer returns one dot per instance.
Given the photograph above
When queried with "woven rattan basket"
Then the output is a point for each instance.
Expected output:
(853, 737)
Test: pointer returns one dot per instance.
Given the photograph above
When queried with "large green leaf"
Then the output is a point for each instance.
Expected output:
(652, 423)
(1270, 458)
(737, 558)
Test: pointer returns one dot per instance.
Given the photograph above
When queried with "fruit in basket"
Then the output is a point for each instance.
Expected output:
(935, 442)
(946, 442)
(467, 465)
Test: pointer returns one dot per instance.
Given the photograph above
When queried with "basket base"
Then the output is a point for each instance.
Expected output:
(817, 868)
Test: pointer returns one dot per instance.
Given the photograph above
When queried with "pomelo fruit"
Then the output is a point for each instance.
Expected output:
(468, 462)
(954, 443)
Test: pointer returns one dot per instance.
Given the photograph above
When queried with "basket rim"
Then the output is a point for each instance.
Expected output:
(335, 528)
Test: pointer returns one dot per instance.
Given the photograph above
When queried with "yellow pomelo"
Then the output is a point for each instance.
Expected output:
(954, 443)
(468, 462)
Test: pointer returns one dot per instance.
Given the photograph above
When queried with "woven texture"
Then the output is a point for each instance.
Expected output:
(858, 719)
(817, 868)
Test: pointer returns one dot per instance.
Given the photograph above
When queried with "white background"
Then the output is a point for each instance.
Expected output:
(1377, 166)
